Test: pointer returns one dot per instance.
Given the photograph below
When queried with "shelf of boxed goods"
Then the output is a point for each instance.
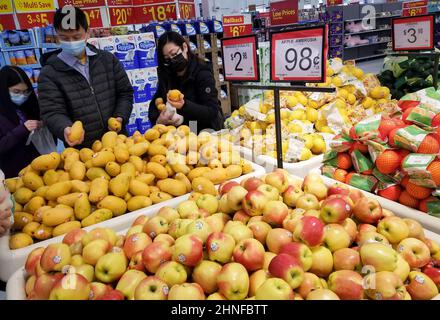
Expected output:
(407, 273)
(10, 260)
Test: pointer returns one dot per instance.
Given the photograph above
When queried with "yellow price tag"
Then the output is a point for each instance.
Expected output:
(32, 5)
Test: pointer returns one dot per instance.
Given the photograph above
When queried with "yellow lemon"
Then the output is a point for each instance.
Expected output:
(254, 126)
(291, 101)
(285, 146)
(306, 154)
(270, 118)
(342, 93)
(340, 104)
(318, 145)
(308, 141)
(382, 101)
(294, 128)
(377, 93)
(302, 99)
(284, 114)
(268, 95)
(367, 102)
(326, 129)
(241, 111)
(386, 91)
(313, 104)
(312, 114)
(351, 98)
(296, 114)
(337, 81)
(235, 113)
(358, 73)
(320, 123)
(330, 71)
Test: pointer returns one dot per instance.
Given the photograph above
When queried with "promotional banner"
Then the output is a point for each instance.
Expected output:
(187, 9)
(283, 12)
(414, 8)
(237, 25)
(81, 3)
(156, 10)
(6, 15)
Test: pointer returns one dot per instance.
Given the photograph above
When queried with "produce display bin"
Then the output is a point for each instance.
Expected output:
(11, 260)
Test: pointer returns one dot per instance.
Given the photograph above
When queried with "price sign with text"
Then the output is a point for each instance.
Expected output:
(94, 17)
(34, 19)
(81, 3)
(237, 25)
(159, 12)
(299, 55)
(6, 7)
(7, 22)
(120, 16)
(187, 10)
(240, 62)
(413, 33)
(34, 6)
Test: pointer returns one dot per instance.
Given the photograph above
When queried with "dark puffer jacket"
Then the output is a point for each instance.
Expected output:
(66, 96)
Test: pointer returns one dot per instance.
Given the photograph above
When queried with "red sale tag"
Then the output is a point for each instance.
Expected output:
(161, 12)
(240, 59)
(414, 4)
(81, 3)
(94, 17)
(237, 25)
(34, 19)
(149, 2)
(120, 16)
(283, 12)
(119, 3)
(413, 33)
(187, 9)
(7, 22)
(414, 11)
(299, 55)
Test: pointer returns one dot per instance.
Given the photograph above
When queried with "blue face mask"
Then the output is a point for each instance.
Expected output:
(74, 48)
(18, 98)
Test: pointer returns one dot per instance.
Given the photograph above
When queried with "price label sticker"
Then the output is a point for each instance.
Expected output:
(240, 61)
(162, 12)
(299, 55)
(413, 33)
(120, 16)
(94, 17)
(187, 10)
(34, 19)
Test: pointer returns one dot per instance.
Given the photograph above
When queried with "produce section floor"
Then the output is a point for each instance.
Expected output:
(371, 66)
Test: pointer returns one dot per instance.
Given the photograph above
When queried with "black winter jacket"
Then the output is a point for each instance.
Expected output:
(66, 96)
(201, 96)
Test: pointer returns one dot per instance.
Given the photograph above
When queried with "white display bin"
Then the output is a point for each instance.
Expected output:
(11, 260)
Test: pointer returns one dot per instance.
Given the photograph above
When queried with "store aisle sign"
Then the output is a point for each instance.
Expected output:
(413, 33)
(34, 6)
(120, 16)
(81, 3)
(35, 19)
(283, 12)
(187, 9)
(155, 12)
(237, 25)
(414, 8)
(240, 61)
(299, 55)
(7, 22)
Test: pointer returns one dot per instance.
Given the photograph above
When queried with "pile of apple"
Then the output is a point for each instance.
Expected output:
(275, 237)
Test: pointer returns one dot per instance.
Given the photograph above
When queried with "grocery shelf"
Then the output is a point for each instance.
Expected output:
(367, 44)
(368, 31)
(380, 17)
(373, 56)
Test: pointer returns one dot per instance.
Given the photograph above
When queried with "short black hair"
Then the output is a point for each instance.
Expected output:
(80, 18)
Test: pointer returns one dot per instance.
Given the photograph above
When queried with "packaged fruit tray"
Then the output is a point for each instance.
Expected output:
(11, 260)
(271, 231)
(429, 222)
(299, 169)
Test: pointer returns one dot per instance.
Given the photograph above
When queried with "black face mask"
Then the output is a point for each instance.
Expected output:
(178, 63)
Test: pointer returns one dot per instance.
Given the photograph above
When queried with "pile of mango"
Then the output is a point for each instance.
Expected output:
(78, 188)
(311, 118)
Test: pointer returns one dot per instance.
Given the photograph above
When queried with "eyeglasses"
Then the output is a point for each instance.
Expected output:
(167, 60)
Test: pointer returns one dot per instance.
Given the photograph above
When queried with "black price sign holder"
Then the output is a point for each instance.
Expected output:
(297, 84)
(412, 34)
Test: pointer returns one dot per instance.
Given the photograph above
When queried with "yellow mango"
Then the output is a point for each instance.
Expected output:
(82, 207)
(97, 216)
(113, 169)
(43, 232)
(57, 216)
(34, 204)
(158, 170)
(233, 171)
(79, 186)
(198, 172)
(86, 154)
(68, 199)
(41, 192)
(114, 124)
(158, 197)
(98, 189)
(156, 149)
(65, 227)
(129, 168)
(138, 163)
(151, 134)
(94, 173)
(139, 188)
(23, 195)
(11, 184)
(58, 189)
(160, 159)
(67, 152)
(50, 177)
(181, 177)
(128, 196)
(172, 186)
(46, 162)
(97, 146)
(70, 160)
(77, 171)
(204, 186)
(109, 139)
(146, 178)
(120, 184)
(76, 131)
(138, 202)
(31, 228)
(20, 240)
(121, 153)
(116, 205)
(103, 157)
(21, 219)
(138, 149)
(32, 181)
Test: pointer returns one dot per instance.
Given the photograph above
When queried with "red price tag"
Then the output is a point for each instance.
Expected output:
(413, 33)
(414, 4)
(81, 3)
(94, 17)
(299, 55)
(147, 2)
(237, 31)
(414, 11)
(159, 12)
(187, 10)
(34, 19)
(120, 16)
(240, 59)
(7, 22)
(334, 2)
(119, 3)
(283, 12)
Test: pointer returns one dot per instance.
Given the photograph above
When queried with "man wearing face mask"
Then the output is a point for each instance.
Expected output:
(81, 82)
(19, 116)
(180, 69)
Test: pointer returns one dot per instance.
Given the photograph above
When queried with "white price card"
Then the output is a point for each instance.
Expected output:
(413, 33)
(240, 61)
(299, 55)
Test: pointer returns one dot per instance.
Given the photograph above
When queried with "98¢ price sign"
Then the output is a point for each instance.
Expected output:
(299, 55)
(240, 61)
(413, 33)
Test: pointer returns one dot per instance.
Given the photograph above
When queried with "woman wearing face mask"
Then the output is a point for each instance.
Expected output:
(180, 69)
(19, 116)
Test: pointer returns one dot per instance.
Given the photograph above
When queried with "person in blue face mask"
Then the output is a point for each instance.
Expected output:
(19, 116)
(81, 82)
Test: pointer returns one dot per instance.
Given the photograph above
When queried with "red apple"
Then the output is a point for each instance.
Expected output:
(278, 179)
(292, 219)
(220, 246)
(252, 183)
(346, 259)
(73, 236)
(300, 252)
(274, 213)
(250, 253)
(421, 287)
(367, 210)
(44, 284)
(338, 188)
(141, 220)
(291, 195)
(205, 274)
(432, 270)
(260, 229)
(136, 262)
(136, 242)
(155, 254)
(112, 295)
(311, 282)
(242, 216)
(276, 238)
(309, 230)
(254, 202)
(335, 210)
(226, 186)
(288, 268)
(188, 250)
(33, 260)
(347, 284)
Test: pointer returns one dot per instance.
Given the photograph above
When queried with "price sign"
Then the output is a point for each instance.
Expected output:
(34, 19)
(413, 33)
(240, 62)
(6, 7)
(158, 12)
(94, 17)
(187, 10)
(7, 22)
(119, 3)
(81, 3)
(238, 25)
(414, 12)
(34, 6)
(299, 55)
(283, 12)
(120, 16)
